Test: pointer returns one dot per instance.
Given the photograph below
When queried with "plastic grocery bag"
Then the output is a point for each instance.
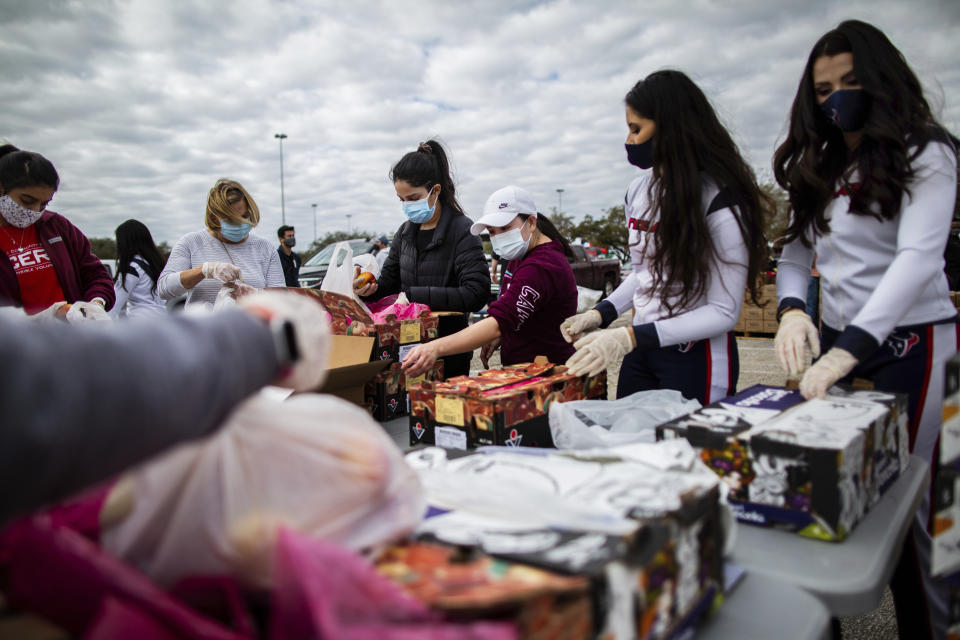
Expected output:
(587, 299)
(313, 463)
(340, 273)
(368, 263)
(326, 592)
(396, 307)
(585, 424)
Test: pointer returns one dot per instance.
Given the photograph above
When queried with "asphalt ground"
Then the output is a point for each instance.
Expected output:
(758, 365)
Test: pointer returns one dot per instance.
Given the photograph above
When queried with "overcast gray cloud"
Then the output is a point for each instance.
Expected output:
(142, 105)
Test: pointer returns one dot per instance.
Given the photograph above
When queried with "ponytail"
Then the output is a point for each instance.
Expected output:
(425, 167)
(547, 228)
(20, 169)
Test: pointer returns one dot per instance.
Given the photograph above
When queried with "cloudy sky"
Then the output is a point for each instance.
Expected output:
(143, 104)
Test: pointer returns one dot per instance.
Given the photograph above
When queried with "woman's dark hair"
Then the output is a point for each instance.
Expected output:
(426, 167)
(814, 156)
(545, 226)
(133, 238)
(20, 169)
(689, 142)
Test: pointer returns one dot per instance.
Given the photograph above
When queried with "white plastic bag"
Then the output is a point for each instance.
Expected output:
(367, 262)
(585, 424)
(587, 299)
(313, 463)
(340, 273)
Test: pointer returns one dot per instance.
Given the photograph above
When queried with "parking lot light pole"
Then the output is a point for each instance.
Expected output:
(314, 221)
(559, 200)
(283, 208)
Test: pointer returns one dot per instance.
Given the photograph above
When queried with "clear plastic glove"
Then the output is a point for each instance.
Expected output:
(834, 365)
(222, 271)
(56, 311)
(311, 327)
(601, 349)
(83, 312)
(796, 332)
(239, 289)
(574, 327)
(420, 359)
(487, 351)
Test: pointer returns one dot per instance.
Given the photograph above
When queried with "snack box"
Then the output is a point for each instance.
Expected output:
(505, 406)
(653, 583)
(945, 555)
(386, 394)
(465, 584)
(812, 468)
(348, 317)
(950, 432)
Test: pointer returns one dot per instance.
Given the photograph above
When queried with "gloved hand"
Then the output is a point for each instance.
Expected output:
(574, 327)
(420, 359)
(487, 351)
(834, 364)
(795, 333)
(312, 331)
(56, 311)
(601, 349)
(82, 312)
(222, 271)
(238, 289)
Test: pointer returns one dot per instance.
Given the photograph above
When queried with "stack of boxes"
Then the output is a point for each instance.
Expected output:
(759, 319)
(945, 557)
(813, 467)
(386, 393)
(505, 406)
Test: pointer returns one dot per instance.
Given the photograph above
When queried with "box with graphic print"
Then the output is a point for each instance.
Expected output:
(505, 406)
(348, 317)
(386, 393)
(950, 432)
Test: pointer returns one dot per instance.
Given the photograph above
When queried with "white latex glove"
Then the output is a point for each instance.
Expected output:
(55, 311)
(601, 349)
(574, 327)
(796, 332)
(222, 271)
(83, 312)
(312, 329)
(834, 364)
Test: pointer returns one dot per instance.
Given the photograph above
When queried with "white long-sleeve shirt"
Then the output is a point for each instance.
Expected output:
(877, 275)
(715, 312)
(135, 294)
(256, 257)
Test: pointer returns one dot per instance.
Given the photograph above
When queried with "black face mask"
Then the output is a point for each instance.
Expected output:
(290, 242)
(640, 155)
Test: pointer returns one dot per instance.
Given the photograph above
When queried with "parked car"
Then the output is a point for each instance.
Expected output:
(313, 270)
(602, 274)
(111, 265)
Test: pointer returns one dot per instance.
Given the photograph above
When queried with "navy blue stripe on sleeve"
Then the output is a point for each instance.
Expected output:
(646, 335)
(858, 342)
(608, 313)
(790, 303)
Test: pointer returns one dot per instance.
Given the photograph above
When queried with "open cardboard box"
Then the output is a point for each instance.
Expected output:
(350, 367)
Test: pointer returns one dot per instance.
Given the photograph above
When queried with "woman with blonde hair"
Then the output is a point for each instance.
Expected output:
(223, 254)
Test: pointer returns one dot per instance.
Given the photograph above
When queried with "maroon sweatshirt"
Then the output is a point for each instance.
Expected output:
(537, 293)
(81, 274)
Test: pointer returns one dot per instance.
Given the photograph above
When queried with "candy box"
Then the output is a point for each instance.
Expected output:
(351, 318)
(386, 393)
(505, 406)
(812, 468)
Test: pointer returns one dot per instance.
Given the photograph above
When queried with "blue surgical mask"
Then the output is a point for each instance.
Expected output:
(418, 211)
(234, 232)
(640, 155)
(510, 245)
(846, 108)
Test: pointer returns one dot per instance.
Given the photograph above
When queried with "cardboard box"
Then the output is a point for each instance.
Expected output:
(945, 555)
(950, 432)
(770, 325)
(753, 326)
(386, 393)
(751, 312)
(350, 318)
(350, 367)
(505, 406)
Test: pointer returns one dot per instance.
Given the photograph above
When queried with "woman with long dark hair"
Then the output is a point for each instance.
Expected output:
(695, 218)
(872, 181)
(537, 293)
(46, 264)
(434, 259)
(139, 265)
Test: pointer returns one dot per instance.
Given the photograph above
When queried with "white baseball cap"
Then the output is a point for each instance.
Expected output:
(502, 207)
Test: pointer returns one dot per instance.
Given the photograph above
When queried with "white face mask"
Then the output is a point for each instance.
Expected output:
(510, 245)
(17, 214)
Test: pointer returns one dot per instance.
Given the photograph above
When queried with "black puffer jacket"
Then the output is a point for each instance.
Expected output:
(451, 274)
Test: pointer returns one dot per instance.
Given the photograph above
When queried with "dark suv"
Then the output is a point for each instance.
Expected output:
(313, 270)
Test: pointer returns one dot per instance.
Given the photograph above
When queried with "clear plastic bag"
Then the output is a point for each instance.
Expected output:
(367, 263)
(587, 299)
(340, 274)
(312, 463)
(586, 424)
